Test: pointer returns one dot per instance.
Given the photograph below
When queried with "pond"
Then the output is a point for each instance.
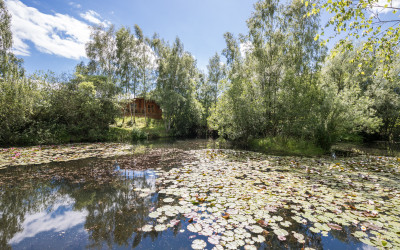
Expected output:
(192, 195)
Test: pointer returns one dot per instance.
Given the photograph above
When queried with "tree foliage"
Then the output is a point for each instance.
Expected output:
(176, 88)
(366, 20)
(275, 81)
(284, 85)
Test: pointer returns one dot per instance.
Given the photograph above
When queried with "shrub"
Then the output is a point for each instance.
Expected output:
(138, 134)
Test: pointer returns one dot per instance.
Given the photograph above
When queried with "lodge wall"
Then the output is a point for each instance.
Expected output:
(138, 105)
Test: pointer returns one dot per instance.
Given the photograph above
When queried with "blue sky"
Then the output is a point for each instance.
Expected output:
(50, 35)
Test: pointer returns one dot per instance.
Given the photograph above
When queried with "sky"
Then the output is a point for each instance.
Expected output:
(51, 35)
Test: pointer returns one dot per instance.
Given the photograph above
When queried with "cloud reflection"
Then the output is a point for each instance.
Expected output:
(60, 218)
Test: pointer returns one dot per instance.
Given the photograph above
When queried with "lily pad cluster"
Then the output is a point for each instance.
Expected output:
(59, 153)
(240, 199)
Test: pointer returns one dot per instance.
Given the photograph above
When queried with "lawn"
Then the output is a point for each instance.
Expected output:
(153, 127)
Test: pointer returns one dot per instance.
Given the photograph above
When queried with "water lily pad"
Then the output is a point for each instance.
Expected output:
(214, 239)
(334, 226)
(194, 227)
(281, 232)
(256, 229)
(314, 230)
(160, 227)
(154, 214)
(168, 200)
(199, 244)
(147, 228)
(286, 223)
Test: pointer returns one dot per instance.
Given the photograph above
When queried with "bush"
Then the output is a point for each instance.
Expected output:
(138, 134)
(49, 111)
(116, 134)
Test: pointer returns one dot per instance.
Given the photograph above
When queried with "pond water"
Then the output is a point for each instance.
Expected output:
(107, 203)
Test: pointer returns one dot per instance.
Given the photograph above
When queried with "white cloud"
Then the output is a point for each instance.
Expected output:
(76, 5)
(93, 17)
(381, 10)
(57, 34)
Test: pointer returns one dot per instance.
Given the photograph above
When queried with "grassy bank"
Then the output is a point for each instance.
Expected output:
(285, 146)
(123, 130)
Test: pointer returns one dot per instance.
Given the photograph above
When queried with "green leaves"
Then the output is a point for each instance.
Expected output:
(176, 89)
(368, 27)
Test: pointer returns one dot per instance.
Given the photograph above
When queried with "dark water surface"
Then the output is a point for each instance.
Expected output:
(102, 204)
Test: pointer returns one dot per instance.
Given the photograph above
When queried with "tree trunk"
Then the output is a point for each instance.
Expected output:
(145, 112)
(134, 99)
(130, 109)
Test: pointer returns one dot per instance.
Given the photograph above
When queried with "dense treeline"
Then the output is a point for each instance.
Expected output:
(46, 109)
(276, 81)
(286, 85)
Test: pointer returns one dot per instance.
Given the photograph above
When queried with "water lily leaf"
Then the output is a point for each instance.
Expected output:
(250, 247)
(324, 233)
(199, 244)
(277, 218)
(281, 232)
(194, 227)
(147, 228)
(314, 230)
(334, 226)
(256, 229)
(214, 239)
(360, 234)
(154, 214)
(160, 227)
(366, 241)
(168, 200)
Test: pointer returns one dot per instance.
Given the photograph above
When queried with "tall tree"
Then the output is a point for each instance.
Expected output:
(266, 35)
(126, 65)
(209, 86)
(145, 64)
(176, 93)
(5, 29)
(10, 66)
(101, 50)
(216, 72)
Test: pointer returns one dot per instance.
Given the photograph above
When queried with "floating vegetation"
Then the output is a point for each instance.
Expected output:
(59, 153)
(168, 200)
(225, 199)
(147, 228)
(160, 227)
(238, 199)
(199, 244)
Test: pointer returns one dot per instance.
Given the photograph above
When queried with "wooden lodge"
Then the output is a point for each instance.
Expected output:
(138, 106)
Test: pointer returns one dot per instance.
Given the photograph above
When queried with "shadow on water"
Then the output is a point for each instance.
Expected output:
(104, 203)
(380, 148)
